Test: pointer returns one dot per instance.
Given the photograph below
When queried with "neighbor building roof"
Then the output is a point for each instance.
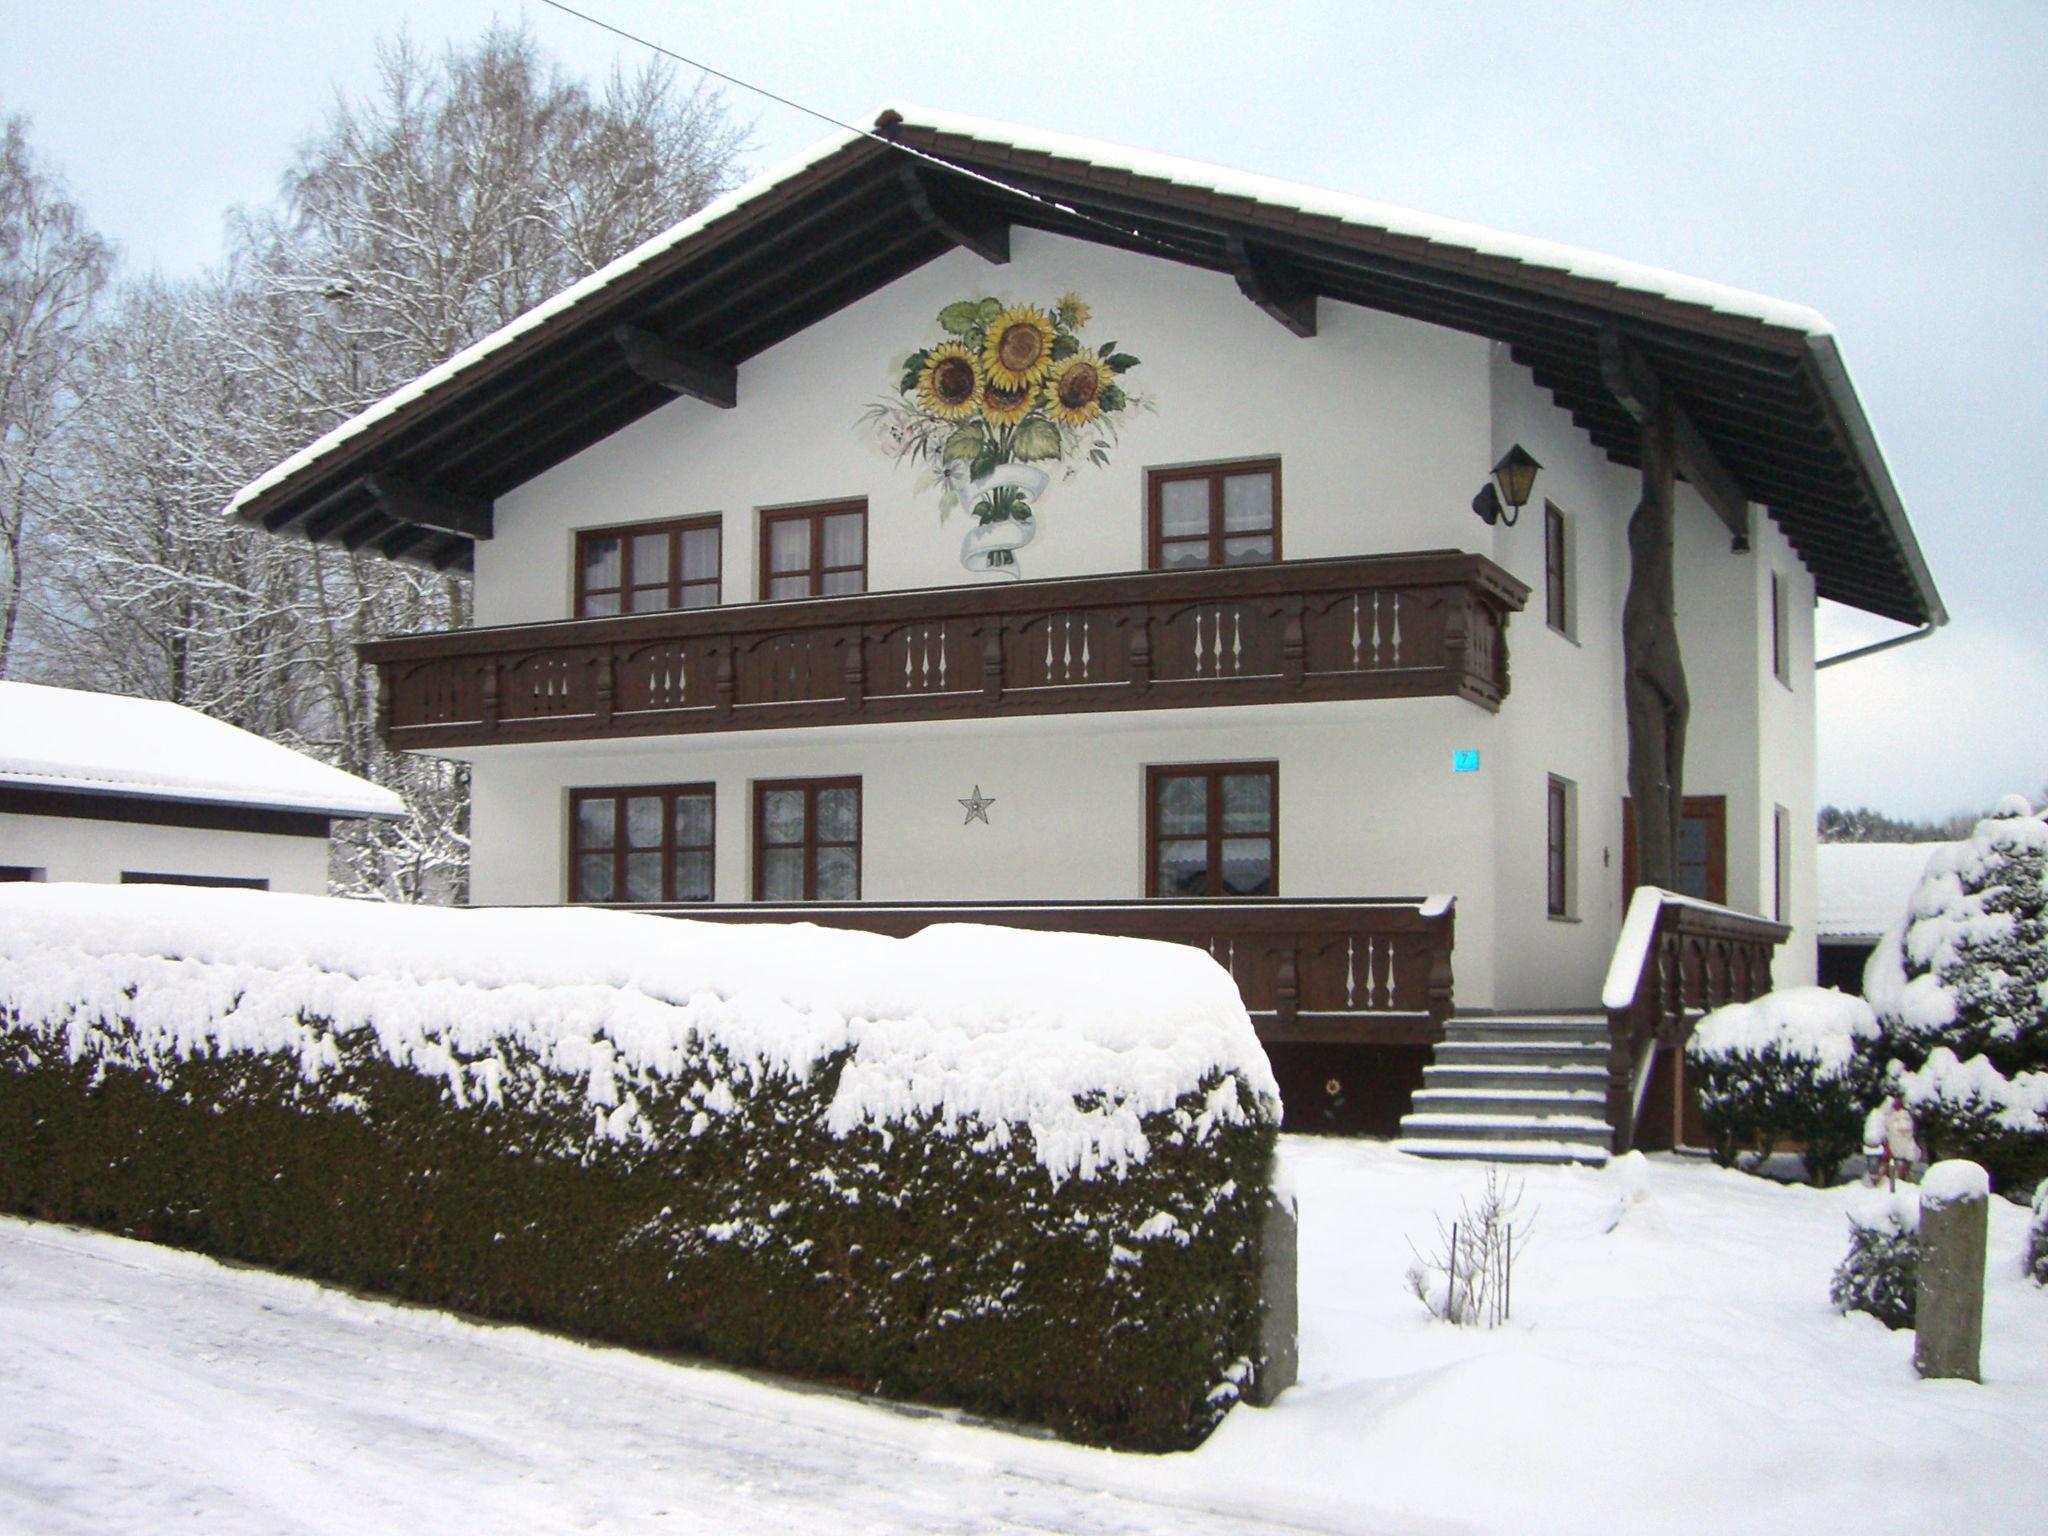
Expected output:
(66, 740)
(1861, 889)
(1762, 380)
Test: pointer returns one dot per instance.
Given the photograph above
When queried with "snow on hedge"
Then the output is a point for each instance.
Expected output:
(980, 1031)
(1815, 1024)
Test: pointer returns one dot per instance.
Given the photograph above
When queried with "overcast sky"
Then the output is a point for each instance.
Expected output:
(1880, 162)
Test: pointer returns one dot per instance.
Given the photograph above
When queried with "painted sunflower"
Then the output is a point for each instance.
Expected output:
(1073, 311)
(1073, 390)
(1006, 407)
(949, 382)
(1019, 348)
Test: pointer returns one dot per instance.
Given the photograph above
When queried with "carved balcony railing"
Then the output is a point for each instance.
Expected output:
(1677, 958)
(1356, 628)
(1365, 972)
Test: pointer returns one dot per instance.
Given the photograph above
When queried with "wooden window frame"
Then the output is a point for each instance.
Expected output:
(626, 533)
(1560, 839)
(1215, 474)
(1157, 773)
(668, 847)
(1557, 573)
(1781, 631)
(811, 844)
(815, 513)
(1781, 864)
(1712, 809)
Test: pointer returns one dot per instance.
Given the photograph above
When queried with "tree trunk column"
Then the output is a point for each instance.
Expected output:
(1653, 674)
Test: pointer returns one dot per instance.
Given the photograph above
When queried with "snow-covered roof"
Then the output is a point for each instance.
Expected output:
(100, 743)
(1369, 214)
(1862, 889)
(1361, 211)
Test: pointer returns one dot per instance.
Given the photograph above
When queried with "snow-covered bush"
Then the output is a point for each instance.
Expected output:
(1961, 993)
(2036, 1257)
(1023, 1173)
(1468, 1275)
(1881, 1272)
(1793, 1066)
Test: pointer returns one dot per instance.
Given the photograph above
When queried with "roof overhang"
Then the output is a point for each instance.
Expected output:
(1762, 382)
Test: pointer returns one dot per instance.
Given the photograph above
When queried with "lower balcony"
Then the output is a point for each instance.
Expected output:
(1377, 627)
(1330, 971)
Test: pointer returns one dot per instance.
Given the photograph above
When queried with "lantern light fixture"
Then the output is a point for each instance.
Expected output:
(1502, 498)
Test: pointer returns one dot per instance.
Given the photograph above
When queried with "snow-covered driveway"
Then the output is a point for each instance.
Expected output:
(1672, 1367)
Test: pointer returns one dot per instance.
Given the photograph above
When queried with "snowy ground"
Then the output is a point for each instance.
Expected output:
(1672, 1366)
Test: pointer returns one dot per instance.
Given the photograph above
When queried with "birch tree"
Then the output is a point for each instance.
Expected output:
(52, 268)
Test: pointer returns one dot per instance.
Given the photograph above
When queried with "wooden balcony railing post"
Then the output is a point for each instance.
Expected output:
(992, 664)
(1138, 655)
(722, 679)
(606, 662)
(489, 692)
(853, 670)
(1293, 644)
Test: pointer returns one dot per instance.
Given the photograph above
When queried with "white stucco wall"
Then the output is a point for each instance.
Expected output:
(1385, 428)
(1378, 423)
(86, 849)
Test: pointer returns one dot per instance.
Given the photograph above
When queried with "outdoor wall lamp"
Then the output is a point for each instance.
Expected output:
(1515, 475)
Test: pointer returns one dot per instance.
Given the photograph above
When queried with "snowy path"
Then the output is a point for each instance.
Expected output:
(1672, 1368)
(163, 1389)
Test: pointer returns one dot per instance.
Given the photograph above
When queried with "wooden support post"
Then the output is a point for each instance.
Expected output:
(1653, 675)
(678, 369)
(988, 238)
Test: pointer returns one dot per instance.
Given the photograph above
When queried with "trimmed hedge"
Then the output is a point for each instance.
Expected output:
(727, 1219)
(1788, 1067)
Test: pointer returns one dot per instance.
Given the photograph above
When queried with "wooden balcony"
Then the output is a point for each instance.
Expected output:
(1339, 971)
(1379, 627)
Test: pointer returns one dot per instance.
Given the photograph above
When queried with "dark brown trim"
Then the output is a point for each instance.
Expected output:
(1213, 775)
(666, 849)
(812, 844)
(1214, 475)
(1711, 809)
(207, 882)
(815, 573)
(625, 534)
(147, 810)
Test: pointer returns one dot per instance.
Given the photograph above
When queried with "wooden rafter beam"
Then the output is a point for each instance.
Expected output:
(988, 238)
(429, 507)
(1275, 286)
(1637, 389)
(679, 369)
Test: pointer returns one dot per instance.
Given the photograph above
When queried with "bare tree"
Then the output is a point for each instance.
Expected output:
(52, 269)
(467, 189)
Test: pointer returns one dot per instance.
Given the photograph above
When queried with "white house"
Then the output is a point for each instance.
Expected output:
(96, 787)
(967, 514)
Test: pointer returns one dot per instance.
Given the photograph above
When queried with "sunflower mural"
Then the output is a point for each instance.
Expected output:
(1012, 395)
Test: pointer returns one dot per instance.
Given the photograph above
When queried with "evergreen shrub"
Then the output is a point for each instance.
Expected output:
(2036, 1256)
(1880, 1274)
(1789, 1067)
(1961, 993)
(713, 1202)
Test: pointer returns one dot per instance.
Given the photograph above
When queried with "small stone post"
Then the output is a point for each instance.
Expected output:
(1949, 1315)
(1279, 1308)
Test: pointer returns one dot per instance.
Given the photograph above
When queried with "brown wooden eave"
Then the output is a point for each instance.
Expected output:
(848, 224)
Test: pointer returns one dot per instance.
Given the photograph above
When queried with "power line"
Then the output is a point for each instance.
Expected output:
(868, 133)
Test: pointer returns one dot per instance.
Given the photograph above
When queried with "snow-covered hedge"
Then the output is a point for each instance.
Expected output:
(1793, 1065)
(1961, 993)
(2036, 1256)
(1024, 1173)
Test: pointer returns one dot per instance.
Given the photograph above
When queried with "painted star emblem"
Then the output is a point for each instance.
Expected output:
(977, 806)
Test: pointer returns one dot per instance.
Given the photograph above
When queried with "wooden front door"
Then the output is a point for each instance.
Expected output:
(1702, 849)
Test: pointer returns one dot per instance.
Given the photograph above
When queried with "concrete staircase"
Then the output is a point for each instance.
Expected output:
(1515, 1089)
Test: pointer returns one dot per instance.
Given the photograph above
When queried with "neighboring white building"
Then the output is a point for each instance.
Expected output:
(1248, 637)
(1863, 890)
(96, 787)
